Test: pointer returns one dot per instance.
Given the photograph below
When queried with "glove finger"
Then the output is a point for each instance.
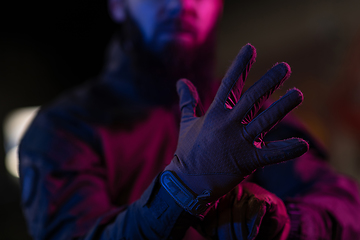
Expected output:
(266, 120)
(280, 151)
(253, 99)
(232, 84)
(189, 98)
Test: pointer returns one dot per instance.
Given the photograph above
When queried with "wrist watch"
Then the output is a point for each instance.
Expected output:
(194, 204)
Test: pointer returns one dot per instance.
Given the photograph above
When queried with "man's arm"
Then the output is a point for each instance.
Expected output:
(321, 203)
(328, 209)
(65, 193)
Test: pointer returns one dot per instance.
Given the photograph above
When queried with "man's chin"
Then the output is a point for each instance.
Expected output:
(185, 40)
(178, 42)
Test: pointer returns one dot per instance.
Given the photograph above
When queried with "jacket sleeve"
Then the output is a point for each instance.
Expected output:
(65, 192)
(329, 210)
(321, 203)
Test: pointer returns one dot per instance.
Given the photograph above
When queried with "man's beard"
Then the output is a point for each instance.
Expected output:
(156, 73)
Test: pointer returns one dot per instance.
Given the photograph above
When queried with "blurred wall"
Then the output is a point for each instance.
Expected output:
(317, 38)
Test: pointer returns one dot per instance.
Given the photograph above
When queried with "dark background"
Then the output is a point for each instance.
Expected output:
(47, 47)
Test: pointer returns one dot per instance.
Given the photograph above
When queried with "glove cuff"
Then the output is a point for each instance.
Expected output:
(192, 203)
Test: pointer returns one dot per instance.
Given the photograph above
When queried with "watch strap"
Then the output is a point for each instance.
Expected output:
(192, 203)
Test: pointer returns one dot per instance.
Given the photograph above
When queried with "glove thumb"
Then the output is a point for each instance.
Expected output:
(189, 98)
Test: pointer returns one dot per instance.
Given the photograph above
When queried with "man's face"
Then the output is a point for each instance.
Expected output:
(183, 23)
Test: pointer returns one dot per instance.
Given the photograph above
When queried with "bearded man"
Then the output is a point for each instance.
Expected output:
(108, 160)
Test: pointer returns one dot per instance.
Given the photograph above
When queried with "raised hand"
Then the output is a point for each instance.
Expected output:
(218, 150)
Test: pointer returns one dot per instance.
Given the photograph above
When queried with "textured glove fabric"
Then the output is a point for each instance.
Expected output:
(217, 150)
(247, 212)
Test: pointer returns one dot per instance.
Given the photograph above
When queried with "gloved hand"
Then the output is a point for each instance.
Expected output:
(246, 212)
(218, 150)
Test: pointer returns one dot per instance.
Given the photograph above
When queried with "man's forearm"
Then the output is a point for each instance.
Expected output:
(154, 216)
